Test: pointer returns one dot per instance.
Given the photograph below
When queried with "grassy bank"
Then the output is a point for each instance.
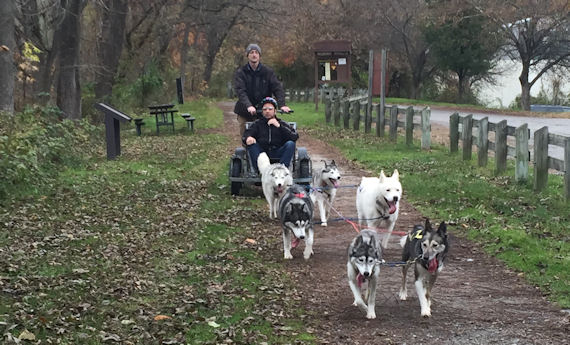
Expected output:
(525, 229)
(146, 249)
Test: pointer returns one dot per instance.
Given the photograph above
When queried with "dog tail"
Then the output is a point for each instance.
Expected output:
(263, 162)
(403, 241)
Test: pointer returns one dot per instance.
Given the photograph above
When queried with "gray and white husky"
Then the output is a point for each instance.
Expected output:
(364, 258)
(325, 182)
(427, 249)
(275, 179)
(296, 212)
(378, 202)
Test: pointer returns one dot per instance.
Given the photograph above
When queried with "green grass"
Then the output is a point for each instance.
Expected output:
(525, 229)
(110, 245)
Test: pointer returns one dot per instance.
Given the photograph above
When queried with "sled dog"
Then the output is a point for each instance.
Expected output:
(275, 179)
(296, 212)
(378, 202)
(325, 182)
(364, 258)
(427, 248)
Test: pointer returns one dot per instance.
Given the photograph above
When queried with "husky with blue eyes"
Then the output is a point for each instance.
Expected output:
(364, 258)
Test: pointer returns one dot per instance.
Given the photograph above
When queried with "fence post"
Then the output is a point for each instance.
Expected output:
(336, 111)
(483, 142)
(410, 126)
(368, 117)
(540, 158)
(356, 115)
(345, 106)
(467, 137)
(501, 147)
(426, 128)
(328, 110)
(521, 165)
(394, 123)
(567, 170)
(454, 133)
(380, 120)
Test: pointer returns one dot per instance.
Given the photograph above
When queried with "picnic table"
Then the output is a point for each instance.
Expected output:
(161, 113)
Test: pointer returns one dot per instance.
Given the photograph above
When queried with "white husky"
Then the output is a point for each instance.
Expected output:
(378, 202)
(275, 179)
(326, 182)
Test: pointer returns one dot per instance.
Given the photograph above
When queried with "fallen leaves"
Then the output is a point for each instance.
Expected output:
(162, 317)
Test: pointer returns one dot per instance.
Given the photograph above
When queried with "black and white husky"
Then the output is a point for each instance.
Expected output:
(325, 182)
(364, 258)
(275, 179)
(296, 212)
(427, 249)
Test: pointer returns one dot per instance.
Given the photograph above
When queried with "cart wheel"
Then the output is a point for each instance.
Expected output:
(236, 172)
(304, 168)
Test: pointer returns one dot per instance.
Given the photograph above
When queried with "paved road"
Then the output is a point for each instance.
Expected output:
(555, 125)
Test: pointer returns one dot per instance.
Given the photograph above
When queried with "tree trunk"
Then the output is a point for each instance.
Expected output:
(7, 47)
(110, 46)
(68, 85)
(184, 53)
(525, 87)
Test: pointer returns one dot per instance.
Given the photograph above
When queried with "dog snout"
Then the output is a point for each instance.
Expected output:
(302, 237)
(366, 274)
(395, 198)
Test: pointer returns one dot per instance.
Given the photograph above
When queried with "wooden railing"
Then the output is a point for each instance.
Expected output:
(476, 132)
(354, 110)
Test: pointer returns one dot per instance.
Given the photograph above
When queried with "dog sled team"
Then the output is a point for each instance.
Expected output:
(377, 204)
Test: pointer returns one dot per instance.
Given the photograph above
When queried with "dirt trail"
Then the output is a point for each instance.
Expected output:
(476, 300)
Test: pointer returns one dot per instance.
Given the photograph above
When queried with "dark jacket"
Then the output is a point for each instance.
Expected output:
(270, 137)
(252, 86)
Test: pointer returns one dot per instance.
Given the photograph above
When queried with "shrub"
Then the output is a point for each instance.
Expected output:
(36, 144)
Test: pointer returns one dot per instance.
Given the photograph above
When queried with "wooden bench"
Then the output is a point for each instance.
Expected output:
(139, 123)
(189, 120)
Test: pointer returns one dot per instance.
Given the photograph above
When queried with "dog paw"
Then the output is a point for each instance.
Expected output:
(323, 223)
(403, 295)
(288, 256)
(371, 316)
(426, 313)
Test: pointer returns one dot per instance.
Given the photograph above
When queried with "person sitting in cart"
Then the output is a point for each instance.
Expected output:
(270, 135)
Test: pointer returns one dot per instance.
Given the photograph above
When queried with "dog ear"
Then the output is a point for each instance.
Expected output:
(442, 229)
(288, 208)
(382, 176)
(333, 163)
(396, 174)
(428, 225)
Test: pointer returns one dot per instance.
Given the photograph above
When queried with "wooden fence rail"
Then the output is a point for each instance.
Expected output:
(464, 128)
(354, 110)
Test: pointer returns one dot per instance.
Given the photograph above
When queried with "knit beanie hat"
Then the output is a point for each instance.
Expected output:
(252, 46)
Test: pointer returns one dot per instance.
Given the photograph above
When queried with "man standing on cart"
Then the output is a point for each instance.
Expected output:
(270, 135)
(252, 83)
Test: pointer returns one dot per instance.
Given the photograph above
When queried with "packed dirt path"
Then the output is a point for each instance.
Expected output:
(476, 299)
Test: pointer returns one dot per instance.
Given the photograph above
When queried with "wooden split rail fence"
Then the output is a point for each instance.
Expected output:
(354, 111)
(473, 132)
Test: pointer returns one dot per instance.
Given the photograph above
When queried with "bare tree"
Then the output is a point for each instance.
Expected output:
(7, 48)
(67, 39)
(110, 45)
(537, 35)
(405, 18)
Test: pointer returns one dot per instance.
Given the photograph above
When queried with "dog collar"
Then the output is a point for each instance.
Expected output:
(299, 195)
